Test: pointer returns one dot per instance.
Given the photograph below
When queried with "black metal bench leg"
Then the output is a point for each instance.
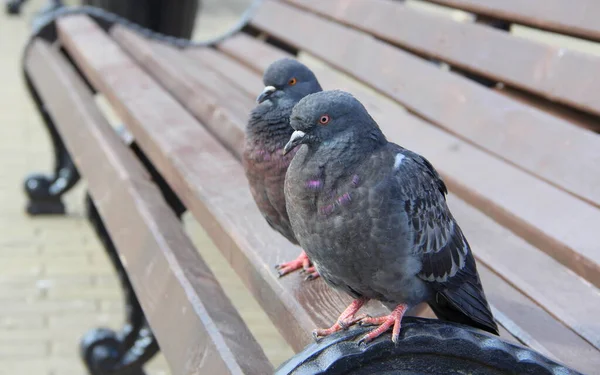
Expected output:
(118, 353)
(44, 192)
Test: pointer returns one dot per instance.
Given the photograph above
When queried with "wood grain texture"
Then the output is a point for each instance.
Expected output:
(196, 325)
(564, 155)
(201, 91)
(581, 119)
(555, 73)
(529, 289)
(562, 16)
(237, 74)
(253, 53)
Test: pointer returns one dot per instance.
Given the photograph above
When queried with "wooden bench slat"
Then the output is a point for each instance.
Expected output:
(207, 102)
(547, 282)
(562, 16)
(575, 117)
(236, 73)
(558, 74)
(244, 45)
(492, 185)
(227, 107)
(534, 326)
(255, 54)
(564, 155)
(198, 328)
(557, 277)
(208, 179)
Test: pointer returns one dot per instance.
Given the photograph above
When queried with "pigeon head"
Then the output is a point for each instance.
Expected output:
(288, 78)
(332, 117)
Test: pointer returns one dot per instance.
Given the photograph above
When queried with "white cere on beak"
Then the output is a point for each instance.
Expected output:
(264, 95)
(297, 134)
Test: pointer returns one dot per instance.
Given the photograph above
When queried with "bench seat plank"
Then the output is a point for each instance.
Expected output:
(230, 69)
(552, 285)
(498, 288)
(198, 328)
(581, 119)
(558, 74)
(554, 15)
(226, 107)
(564, 155)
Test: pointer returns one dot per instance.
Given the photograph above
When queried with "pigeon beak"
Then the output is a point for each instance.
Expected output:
(264, 95)
(296, 139)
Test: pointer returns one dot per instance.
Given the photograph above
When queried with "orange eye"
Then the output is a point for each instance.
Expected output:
(324, 119)
(292, 81)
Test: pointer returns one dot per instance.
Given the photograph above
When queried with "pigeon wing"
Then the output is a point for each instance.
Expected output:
(447, 262)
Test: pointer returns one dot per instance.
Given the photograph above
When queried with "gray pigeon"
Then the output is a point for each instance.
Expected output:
(268, 129)
(372, 216)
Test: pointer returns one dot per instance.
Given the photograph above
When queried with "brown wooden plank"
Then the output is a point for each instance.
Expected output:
(555, 279)
(562, 16)
(564, 155)
(566, 296)
(229, 69)
(202, 92)
(258, 55)
(532, 325)
(552, 287)
(255, 54)
(196, 325)
(499, 189)
(558, 74)
(580, 119)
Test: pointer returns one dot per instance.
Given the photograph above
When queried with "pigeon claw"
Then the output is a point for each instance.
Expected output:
(341, 325)
(318, 333)
(311, 273)
(301, 263)
(294, 265)
(346, 319)
(384, 323)
(315, 335)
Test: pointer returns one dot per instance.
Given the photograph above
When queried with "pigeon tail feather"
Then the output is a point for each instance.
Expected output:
(465, 305)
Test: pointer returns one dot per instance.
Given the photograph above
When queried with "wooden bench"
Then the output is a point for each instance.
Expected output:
(510, 123)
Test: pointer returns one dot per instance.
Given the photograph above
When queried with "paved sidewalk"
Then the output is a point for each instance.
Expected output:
(55, 280)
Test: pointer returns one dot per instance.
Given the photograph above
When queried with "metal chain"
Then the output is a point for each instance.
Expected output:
(47, 18)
